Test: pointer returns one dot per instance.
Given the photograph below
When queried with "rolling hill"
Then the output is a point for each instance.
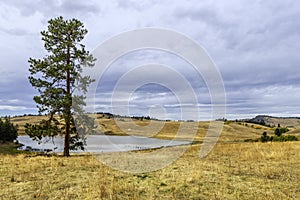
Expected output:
(232, 131)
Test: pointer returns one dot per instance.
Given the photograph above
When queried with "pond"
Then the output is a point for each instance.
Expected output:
(100, 143)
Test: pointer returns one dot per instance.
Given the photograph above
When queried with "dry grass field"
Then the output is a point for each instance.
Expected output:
(233, 170)
(161, 129)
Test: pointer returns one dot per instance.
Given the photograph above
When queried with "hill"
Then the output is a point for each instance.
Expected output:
(289, 122)
(116, 125)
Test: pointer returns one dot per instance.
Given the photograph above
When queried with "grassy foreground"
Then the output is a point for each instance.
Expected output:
(230, 171)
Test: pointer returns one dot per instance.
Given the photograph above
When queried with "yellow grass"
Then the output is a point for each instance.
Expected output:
(231, 171)
(21, 121)
(160, 129)
(295, 131)
(168, 130)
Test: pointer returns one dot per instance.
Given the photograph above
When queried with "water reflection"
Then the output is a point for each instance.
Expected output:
(100, 143)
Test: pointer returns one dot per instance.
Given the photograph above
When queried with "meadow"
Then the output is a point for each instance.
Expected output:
(234, 169)
(231, 171)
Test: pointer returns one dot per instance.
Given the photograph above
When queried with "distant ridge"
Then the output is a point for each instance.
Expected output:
(290, 122)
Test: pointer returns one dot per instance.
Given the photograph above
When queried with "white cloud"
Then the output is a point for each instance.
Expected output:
(13, 108)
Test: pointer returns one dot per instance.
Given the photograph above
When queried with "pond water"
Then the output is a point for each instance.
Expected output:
(100, 143)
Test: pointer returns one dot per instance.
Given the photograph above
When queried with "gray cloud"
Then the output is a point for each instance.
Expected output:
(54, 7)
(15, 31)
(136, 5)
(206, 14)
(80, 7)
(255, 45)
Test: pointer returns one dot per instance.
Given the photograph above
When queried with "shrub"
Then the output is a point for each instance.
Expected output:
(265, 137)
(8, 132)
(280, 138)
(284, 138)
(279, 131)
(276, 138)
(291, 138)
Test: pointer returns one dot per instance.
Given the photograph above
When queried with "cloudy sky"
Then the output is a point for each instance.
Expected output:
(255, 45)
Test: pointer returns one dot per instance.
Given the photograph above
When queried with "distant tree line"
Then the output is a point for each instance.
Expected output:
(8, 131)
(141, 118)
(109, 116)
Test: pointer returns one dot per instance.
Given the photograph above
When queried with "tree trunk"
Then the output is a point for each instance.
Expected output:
(67, 119)
(68, 109)
(67, 140)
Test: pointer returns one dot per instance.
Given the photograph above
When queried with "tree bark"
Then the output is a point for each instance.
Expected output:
(67, 120)
(68, 109)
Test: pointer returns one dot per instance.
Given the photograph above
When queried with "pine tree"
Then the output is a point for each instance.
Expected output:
(56, 76)
(8, 131)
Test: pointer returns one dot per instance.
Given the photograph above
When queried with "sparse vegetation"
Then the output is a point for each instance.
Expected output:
(278, 137)
(231, 171)
(284, 138)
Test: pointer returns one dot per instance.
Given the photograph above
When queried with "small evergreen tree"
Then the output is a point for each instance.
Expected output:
(280, 130)
(8, 131)
(265, 137)
(277, 132)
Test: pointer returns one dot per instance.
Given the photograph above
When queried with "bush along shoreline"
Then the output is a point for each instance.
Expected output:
(8, 131)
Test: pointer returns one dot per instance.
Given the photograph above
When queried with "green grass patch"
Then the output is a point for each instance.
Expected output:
(9, 148)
